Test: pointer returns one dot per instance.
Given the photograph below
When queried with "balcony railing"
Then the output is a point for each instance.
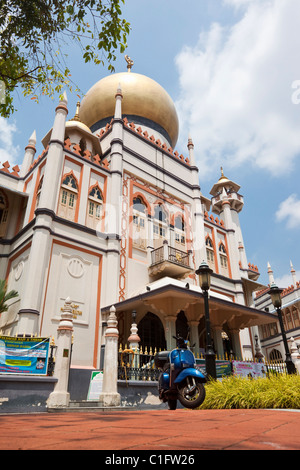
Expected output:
(169, 261)
(171, 254)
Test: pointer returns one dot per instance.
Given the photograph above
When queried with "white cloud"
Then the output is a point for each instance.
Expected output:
(236, 89)
(8, 151)
(286, 280)
(290, 210)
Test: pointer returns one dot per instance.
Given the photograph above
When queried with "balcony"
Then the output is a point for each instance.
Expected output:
(169, 261)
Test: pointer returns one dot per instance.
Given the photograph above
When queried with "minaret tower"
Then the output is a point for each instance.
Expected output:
(30, 151)
(271, 275)
(228, 203)
(198, 202)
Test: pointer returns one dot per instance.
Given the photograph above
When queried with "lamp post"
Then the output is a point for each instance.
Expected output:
(275, 294)
(204, 273)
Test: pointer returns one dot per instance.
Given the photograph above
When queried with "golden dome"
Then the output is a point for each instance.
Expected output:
(142, 98)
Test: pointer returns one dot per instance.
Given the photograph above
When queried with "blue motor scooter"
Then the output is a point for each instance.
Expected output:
(179, 379)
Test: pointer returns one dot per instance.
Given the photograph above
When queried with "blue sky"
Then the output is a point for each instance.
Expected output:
(230, 67)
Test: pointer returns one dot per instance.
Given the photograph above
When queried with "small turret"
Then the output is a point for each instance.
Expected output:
(30, 151)
(293, 272)
(270, 274)
(226, 191)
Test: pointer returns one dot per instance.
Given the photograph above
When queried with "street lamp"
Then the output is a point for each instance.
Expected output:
(275, 294)
(204, 273)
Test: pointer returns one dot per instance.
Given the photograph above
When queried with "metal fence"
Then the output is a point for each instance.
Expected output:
(139, 365)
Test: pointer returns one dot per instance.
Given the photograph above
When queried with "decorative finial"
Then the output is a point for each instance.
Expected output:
(222, 172)
(130, 63)
(76, 117)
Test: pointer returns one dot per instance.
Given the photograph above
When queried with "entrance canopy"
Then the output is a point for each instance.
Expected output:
(167, 297)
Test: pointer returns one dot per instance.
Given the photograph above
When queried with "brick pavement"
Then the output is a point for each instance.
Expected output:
(154, 430)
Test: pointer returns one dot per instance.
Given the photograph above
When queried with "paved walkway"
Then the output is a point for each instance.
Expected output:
(154, 430)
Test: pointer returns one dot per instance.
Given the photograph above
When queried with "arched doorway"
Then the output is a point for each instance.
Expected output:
(152, 333)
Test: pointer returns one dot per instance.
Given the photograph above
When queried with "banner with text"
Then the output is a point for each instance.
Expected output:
(24, 355)
(223, 368)
(249, 369)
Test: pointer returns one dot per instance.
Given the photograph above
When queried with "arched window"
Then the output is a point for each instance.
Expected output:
(68, 197)
(275, 355)
(179, 232)
(223, 260)
(210, 254)
(139, 219)
(3, 213)
(94, 207)
(160, 227)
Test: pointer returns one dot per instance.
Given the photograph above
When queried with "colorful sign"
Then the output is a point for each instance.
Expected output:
(249, 369)
(27, 356)
(223, 368)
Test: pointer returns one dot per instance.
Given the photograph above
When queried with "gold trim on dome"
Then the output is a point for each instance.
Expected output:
(142, 97)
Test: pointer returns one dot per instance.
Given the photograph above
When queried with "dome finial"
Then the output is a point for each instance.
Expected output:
(130, 63)
(76, 117)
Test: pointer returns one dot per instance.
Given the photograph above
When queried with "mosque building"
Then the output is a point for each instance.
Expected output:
(111, 214)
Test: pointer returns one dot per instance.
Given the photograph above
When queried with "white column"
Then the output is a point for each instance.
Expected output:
(194, 336)
(170, 332)
(60, 397)
(218, 341)
(236, 344)
(110, 396)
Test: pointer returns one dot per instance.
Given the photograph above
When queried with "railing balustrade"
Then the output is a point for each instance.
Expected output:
(174, 255)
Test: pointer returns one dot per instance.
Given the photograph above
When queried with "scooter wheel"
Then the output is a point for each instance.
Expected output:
(191, 399)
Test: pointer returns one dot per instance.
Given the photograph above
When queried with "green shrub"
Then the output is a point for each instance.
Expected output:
(277, 391)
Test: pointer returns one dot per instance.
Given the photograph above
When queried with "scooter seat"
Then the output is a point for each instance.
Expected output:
(161, 359)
